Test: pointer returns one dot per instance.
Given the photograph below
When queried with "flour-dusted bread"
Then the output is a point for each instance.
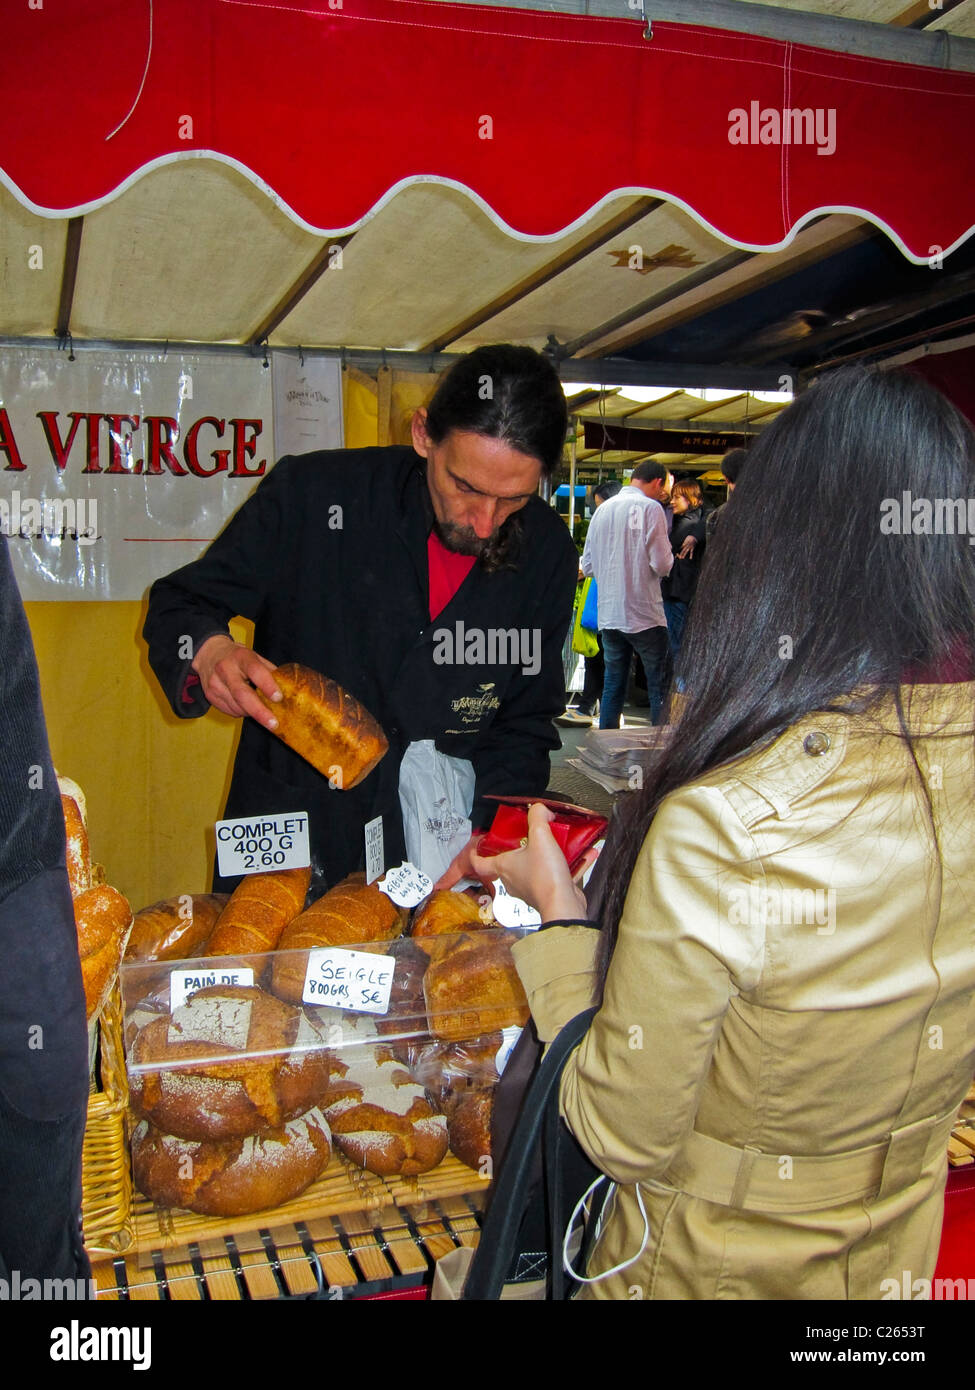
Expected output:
(231, 1177)
(175, 928)
(326, 725)
(230, 1061)
(381, 1120)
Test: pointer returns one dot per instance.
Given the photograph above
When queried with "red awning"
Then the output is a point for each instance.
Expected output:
(540, 117)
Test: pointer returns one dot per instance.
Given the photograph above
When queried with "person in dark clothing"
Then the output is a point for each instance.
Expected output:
(430, 582)
(43, 1034)
(731, 466)
(687, 539)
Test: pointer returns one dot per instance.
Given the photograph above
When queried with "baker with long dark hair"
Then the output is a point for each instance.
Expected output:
(786, 1031)
(389, 570)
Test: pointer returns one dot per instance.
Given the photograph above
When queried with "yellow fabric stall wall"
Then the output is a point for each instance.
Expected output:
(155, 784)
(360, 409)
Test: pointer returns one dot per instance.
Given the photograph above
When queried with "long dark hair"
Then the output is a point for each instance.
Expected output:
(505, 392)
(810, 599)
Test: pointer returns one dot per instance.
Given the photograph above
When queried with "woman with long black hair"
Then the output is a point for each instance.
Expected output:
(787, 951)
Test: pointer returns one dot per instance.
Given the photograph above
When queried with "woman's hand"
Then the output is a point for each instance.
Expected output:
(538, 874)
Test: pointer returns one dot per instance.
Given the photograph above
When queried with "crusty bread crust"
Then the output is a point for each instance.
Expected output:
(326, 725)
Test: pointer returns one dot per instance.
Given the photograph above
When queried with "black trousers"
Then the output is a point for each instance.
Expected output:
(40, 1197)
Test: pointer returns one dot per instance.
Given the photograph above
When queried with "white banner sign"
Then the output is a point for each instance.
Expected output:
(119, 467)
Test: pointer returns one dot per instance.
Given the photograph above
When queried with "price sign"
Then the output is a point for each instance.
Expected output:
(257, 844)
(375, 856)
(406, 885)
(183, 983)
(354, 980)
(513, 912)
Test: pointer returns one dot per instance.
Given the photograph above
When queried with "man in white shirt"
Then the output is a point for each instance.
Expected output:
(628, 551)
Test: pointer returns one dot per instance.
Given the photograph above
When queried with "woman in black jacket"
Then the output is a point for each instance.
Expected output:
(687, 541)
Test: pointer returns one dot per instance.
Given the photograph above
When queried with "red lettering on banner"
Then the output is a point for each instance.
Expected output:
(190, 454)
(60, 449)
(93, 430)
(243, 445)
(162, 432)
(8, 445)
(115, 441)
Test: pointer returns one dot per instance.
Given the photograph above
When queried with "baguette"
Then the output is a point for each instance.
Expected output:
(326, 725)
(259, 909)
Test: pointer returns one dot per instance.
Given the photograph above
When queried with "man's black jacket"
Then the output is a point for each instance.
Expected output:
(329, 558)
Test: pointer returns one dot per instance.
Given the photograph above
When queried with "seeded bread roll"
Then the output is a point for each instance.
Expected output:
(231, 1177)
(383, 1122)
(175, 928)
(349, 914)
(103, 920)
(231, 1061)
(326, 725)
(260, 908)
(471, 987)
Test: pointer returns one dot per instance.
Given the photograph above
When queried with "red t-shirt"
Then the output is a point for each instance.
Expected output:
(448, 570)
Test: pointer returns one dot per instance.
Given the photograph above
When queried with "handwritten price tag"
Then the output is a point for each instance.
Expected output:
(406, 885)
(375, 858)
(513, 912)
(354, 980)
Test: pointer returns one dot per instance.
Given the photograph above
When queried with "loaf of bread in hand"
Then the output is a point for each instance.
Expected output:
(175, 928)
(260, 908)
(349, 914)
(382, 1120)
(103, 920)
(231, 1177)
(230, 1061)
(326, 725)
(472, 987)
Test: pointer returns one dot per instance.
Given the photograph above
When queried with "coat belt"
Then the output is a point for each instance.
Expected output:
(751, 1180)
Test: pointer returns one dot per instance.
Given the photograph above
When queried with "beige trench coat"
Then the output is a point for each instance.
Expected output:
(788, 1024)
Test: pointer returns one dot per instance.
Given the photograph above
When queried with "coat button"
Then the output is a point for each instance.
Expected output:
(815, 743)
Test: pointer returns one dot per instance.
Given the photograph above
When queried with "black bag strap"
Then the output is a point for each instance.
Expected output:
(513, 1181)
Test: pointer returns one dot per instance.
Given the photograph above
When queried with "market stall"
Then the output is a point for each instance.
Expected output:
(233, 272)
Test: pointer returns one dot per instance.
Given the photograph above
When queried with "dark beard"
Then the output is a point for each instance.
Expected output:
(495, 553)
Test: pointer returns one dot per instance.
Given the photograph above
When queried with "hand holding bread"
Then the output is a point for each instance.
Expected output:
(231, 674)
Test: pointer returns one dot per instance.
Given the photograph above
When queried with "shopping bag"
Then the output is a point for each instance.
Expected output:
(590, 608)
(584, 641)
(436, 793)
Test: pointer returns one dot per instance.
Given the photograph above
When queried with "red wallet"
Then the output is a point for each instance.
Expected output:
(575, 828)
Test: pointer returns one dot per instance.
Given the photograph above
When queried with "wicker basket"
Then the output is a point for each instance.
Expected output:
(106, 1175)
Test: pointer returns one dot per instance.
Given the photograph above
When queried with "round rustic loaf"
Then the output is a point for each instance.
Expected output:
(383, 1121)
(231, 1177)
(231, 1061)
